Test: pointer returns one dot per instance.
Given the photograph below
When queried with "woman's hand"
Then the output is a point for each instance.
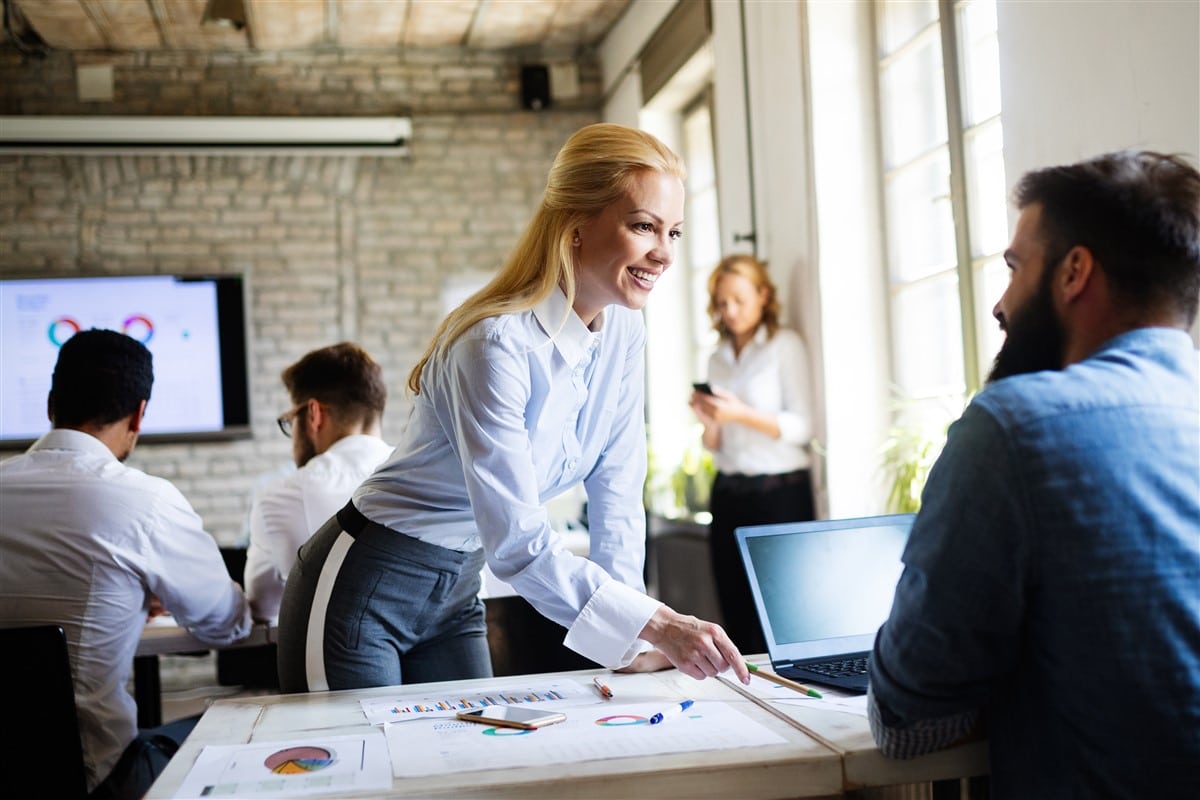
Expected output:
(649, 661)
(719, 407)
(723, 407)
(697, 648)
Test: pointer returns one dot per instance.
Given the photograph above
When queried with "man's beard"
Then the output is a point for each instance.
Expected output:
(306, 450)
(1036, 339)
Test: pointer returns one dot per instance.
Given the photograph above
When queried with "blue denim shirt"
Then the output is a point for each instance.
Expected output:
(1052, 581)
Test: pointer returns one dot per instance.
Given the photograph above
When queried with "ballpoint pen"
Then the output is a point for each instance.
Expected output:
(782, 681)
(602, 688)
(678, 708)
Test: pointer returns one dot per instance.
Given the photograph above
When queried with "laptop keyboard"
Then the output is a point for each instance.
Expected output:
(843, 668)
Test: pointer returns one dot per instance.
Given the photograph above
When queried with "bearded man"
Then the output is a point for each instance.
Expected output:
(1051, 590)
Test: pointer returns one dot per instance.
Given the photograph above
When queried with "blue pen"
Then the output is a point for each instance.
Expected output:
(672, 711)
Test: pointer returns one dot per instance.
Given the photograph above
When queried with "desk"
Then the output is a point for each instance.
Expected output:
(164, 638)
(797, 767)
(834, 755)
(832, 722)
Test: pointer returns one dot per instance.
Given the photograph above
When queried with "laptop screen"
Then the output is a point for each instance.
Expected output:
(823, 588)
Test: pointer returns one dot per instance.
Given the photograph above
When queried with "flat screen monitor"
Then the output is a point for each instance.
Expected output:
(194, 326)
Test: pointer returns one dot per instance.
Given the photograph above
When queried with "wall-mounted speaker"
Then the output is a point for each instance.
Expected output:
(535, 87)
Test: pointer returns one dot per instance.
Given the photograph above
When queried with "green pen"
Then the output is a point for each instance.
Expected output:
(773, 678)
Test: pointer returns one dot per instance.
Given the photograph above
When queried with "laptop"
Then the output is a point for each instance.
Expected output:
(822, 589)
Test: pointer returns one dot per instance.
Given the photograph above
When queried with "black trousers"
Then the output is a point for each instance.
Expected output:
(749, 500)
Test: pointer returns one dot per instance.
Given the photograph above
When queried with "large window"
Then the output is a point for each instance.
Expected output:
(679, 330)
(944, 197)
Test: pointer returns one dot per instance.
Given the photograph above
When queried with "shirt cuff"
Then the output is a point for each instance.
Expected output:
(912, 739)
(606, 630)
(793, 428)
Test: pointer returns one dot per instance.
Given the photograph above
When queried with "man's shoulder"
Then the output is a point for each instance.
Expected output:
(350, 459)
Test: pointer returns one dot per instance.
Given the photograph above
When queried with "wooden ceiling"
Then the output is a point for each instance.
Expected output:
(310, 24)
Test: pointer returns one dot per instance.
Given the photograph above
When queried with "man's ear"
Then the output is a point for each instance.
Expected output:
(314, 416)
(1075, 273)
(135, 419)
(50, 408)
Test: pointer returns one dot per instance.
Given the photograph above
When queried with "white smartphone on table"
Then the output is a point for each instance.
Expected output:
(512, 716)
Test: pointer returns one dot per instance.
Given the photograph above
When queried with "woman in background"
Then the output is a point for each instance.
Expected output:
(757, 423)
(534, 385)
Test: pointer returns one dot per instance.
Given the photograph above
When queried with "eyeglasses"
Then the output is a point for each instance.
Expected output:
(287, 420)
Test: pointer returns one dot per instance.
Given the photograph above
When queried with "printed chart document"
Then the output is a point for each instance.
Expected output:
(591, 732)
(299, 768)
(383, 710)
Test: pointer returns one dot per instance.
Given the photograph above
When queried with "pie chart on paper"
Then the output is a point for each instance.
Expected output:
(299, 760)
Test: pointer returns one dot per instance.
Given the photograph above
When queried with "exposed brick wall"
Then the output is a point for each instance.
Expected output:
(332, 247)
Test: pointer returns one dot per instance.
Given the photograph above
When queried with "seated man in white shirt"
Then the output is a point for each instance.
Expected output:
(338, 396)
(87, 543)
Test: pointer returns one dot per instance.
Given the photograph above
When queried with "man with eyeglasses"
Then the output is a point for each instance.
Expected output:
(338, 396)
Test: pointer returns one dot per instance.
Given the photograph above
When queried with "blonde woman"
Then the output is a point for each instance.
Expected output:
(532, 386)
(757, 422)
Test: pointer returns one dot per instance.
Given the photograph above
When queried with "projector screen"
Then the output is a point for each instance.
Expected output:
(194, 326)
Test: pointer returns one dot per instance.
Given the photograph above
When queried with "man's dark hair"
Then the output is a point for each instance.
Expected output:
(342, 376)
(1139, 215)
(100, 377)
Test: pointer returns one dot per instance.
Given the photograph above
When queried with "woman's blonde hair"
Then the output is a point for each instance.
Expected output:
(754, 271)
(592, 171)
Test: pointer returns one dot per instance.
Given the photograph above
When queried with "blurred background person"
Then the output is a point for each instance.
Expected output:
(757, 422)
(338, 397)
(94, 546)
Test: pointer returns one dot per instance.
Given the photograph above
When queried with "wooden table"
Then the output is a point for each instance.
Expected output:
(827, 752)
(797, 767)
(835, 722)
(161, 638)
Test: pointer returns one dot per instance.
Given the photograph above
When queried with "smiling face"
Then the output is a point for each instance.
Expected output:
(623, 251)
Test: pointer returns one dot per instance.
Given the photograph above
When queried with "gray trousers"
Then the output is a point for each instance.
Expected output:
(367, 606)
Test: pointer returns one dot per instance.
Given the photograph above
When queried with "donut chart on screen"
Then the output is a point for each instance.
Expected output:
(299, 760)
(61, 329)
(138, 326)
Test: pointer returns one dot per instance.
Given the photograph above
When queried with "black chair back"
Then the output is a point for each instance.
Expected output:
(40, 738)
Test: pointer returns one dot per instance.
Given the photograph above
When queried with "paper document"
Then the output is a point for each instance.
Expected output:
(397, 709)
(832, 700)
(591, 732)
(298, 768)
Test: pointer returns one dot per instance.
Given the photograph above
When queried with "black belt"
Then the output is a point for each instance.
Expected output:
(738, 483)
(352, 520)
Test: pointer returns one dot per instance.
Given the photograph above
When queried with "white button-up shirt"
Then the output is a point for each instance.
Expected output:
(84, 542)
(286, 513)
(772, 376)
(523, 407)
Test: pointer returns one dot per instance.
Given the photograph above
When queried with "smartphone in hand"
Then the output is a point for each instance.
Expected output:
(512, 716)
(702, 388)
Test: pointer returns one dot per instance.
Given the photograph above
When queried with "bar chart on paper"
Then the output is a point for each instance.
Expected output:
(383, 710)
(592, 732)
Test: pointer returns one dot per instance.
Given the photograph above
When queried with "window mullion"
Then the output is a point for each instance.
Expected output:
(958, 190)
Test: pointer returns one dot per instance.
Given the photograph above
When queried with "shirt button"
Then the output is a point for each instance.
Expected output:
(572, 464)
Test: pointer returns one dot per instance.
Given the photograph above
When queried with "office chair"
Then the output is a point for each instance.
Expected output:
(251, 667)
(40, 738)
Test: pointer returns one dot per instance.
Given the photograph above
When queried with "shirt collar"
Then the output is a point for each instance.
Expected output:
(72, 440)
(571, 337)
(757, 341)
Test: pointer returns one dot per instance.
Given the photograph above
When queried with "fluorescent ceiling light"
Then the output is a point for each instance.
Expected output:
(367, 135)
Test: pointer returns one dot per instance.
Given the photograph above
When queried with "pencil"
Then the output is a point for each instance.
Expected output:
(773, 678)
